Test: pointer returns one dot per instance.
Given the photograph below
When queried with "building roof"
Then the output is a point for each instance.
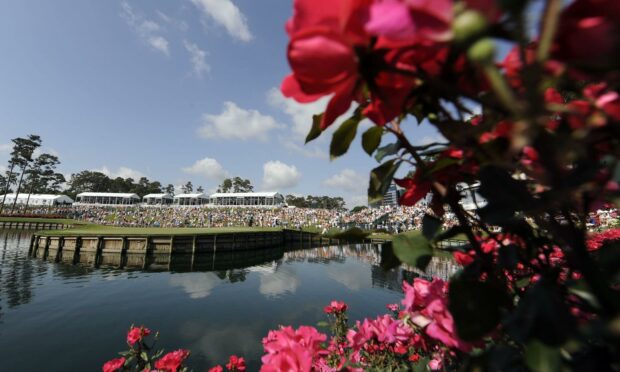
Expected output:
(39, 196)
(269, 194)
(157, 196)
(196, 195)
(109, 195)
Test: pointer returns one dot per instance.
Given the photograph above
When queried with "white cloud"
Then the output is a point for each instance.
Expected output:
(283, 281)
(305, 150)
(148, 30)
(196, 285)
(6, 147)
(123, 172)
(37, 152)
(354, 278)
(159, 43)
(227, 14)
(352, 183)
(300, 114)
(180, 24)
(277, 175)
(347, 180)
(198, 59)
(209, 168)
(237, 123)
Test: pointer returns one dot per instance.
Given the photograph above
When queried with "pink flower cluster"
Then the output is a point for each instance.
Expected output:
(427, 306)
(597, 240)
(114, 365)
(293, 350)
(136, 334)
(172, 361)
(335, 307)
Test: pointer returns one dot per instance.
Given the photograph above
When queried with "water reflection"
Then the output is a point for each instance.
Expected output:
(16, 272)
(230, 266)
(214, 304)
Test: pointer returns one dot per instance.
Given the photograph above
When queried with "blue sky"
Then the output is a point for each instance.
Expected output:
(173, 90)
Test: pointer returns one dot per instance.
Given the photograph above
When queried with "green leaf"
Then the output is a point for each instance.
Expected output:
(542, 358)
(420, 365)
(371, 139)
(144, 356)
(430, 226)
(387, 150)
(315, 130)
(413, 249)
(380, 179)
(129, 360)
(343, 136)
(322, 324)
(524, 282)
(475, 306)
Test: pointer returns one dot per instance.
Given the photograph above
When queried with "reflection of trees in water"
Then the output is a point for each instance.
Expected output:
(17, 271)
(439, 267)
(236, 265)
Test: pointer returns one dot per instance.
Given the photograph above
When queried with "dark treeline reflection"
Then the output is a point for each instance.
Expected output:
(232, 266)
(17, 271)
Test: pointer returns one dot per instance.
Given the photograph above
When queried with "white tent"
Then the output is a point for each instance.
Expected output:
(39, 199)
(157, 199)
(107, 198)
(191, 199)
(247, 199)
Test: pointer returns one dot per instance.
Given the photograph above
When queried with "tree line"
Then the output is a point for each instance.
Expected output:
(29, 171)
(311, 201)
(34, 172)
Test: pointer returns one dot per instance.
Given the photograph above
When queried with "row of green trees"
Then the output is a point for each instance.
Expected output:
(34, 172)
(93, 181)
(29, 171)
(311, 201)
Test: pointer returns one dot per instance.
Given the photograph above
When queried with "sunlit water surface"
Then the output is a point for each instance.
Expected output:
(65, 317)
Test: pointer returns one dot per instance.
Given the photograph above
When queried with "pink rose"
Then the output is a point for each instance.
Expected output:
(335, 307)
(235, 363)
(136, 334)
(172, 361)
(113, 365)
(411, 20)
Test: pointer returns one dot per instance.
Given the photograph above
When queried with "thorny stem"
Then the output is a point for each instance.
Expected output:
(550, 25)
(454, 205)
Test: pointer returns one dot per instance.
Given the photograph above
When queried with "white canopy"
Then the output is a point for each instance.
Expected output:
(268, 194)
(157, 196)
(108, 195)
(40, 199)
(191, 196)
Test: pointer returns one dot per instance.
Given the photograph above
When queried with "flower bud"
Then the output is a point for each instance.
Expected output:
(482, 51)
(468, 25)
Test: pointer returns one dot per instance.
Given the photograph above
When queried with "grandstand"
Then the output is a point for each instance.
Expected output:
(247, 199)
(157, 199)
(190, 199)
(39, 199)
(107, 198)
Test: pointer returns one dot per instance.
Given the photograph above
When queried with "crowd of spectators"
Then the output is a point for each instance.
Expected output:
(389, 218)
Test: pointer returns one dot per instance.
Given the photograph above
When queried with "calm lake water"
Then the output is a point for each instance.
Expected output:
(65, 317)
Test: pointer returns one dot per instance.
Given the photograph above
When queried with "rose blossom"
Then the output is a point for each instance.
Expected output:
(236, 363)
(113, 365)
(172, 361)
(335, 307)
(136, 334)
